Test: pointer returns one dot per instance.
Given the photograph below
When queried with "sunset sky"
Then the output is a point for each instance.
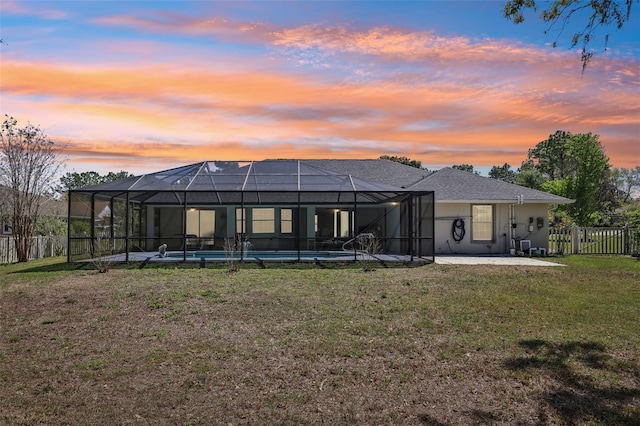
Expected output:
(149, 85)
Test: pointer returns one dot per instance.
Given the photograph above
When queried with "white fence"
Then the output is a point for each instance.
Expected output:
(592, 240)
(41, 246)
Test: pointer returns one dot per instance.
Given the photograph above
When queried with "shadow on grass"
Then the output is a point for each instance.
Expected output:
(54, 267)
(584, 373)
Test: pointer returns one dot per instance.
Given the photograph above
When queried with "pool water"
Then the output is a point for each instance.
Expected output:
(259, 255)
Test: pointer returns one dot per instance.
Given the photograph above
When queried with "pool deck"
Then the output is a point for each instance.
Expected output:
(502, 260)
(177, 256)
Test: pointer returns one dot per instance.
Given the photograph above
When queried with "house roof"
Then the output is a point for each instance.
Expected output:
(448, 184)
(472, 187)
(382, 176)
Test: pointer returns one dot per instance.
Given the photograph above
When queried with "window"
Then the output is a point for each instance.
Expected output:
(263, 221)
(342, 223)
(6, 228)
(482, 223)
(286, 221)
(241, 220)
(201, 223)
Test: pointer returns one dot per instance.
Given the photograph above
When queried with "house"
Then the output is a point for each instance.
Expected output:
(473, 214)
(316, 208)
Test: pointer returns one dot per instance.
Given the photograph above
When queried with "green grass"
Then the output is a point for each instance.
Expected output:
(440, 344)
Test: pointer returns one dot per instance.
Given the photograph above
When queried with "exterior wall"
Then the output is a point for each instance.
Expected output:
(446, 213)
(539, 237)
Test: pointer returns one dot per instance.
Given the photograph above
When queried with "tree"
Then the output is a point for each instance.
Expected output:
(600, 13)
(402, 160)
(583, 185)
(74, 180)
(627, 181)
(551, 157)
(503, 173)
(51, 225)
(465, 168)
(529, 176)
(616, 203)
(29, 162)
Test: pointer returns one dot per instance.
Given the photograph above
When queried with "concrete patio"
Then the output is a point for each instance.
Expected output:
(492, 260)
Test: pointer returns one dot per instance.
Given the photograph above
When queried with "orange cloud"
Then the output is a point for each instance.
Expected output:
(480, 102)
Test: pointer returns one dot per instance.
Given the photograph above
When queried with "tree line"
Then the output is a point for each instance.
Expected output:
(576, 166)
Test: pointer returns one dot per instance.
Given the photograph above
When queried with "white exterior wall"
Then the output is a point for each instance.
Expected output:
(446, 213)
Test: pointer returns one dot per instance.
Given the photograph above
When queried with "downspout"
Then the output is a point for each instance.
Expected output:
(512, 221)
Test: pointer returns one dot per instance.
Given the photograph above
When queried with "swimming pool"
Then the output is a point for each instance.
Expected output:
(265, 255)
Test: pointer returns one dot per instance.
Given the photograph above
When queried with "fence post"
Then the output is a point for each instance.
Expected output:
(626, 239)
(575, 239)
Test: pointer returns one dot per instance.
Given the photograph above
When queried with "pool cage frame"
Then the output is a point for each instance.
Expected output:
(140, 214)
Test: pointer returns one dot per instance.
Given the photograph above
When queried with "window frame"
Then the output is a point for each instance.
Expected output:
(475, 222)
(259, 221)
(241, 220)
(286, 223)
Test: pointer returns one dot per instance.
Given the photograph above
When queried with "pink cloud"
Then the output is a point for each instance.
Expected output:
(482, 102)
(33, 9)
(174, 23)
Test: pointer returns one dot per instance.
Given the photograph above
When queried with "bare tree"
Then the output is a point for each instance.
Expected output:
(29, 163)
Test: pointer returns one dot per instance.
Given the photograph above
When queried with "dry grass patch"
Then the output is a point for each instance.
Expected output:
(432, 345)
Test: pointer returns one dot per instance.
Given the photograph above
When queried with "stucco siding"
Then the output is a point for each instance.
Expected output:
(500, 243)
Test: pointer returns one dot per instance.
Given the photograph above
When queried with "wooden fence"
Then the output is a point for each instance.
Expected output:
(591, 240)
(41, 246)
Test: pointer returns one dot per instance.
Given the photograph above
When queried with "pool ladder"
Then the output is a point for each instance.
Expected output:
(357, 237)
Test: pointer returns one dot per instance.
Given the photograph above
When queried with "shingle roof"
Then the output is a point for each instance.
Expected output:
(459, 186)
(448, 184)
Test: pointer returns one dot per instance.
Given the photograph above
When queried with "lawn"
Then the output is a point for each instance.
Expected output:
(431, 345)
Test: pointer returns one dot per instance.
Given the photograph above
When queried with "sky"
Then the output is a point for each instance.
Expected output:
(144, 86)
